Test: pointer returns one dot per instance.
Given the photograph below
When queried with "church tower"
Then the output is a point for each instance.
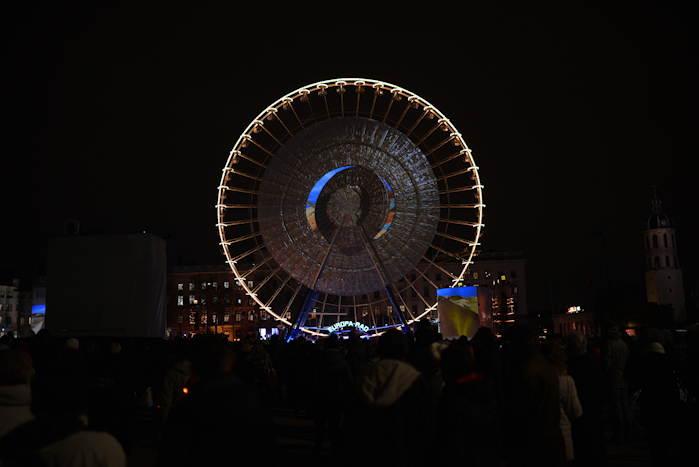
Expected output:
(663, 273)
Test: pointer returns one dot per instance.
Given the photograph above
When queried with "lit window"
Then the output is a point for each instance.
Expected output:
(192, 318)
(388, 309)
(213, 318)
(215, 285)
(203, 300)
(503, 277)
(203, 285)
(240, 301)
(251, 316)
(204, 319)
(180, 286)
(226, 285)
(250, 284)
(263, 315)
(402, 308)
(475, 274)
(191, 300)
(180, 300)
(238, 317)
(191, 286)
(226, 317)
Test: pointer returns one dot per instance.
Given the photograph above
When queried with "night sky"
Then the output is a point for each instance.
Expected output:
(122, 118)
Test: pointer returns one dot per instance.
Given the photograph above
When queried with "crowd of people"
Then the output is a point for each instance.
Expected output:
(405, 398)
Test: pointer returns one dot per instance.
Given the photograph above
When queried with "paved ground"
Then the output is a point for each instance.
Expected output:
(296, 439)
(297, 432)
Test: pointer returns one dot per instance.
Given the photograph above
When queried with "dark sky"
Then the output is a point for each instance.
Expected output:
(123, 117)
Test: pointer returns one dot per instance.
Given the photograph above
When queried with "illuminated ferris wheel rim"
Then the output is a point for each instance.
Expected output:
(322, 86)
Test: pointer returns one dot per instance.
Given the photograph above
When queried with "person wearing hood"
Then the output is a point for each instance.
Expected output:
(393, 404)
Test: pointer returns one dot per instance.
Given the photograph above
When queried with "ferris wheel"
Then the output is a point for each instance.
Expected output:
(342, 195)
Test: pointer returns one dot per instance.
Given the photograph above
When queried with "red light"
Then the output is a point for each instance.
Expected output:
(185, 390)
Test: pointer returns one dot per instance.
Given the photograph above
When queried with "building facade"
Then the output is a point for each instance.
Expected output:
(208, 300)
(9, 308)
(663, 274)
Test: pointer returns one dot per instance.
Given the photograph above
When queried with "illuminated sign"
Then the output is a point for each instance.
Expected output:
(348, 324)
(575, 309)
(38, 309)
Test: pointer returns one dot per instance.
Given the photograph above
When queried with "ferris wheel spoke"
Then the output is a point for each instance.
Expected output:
(388, 109)
(271, 135)
(407, 107)
(461, 189)
(441, 144)
(377, 92)
(289, 103)
(442, 250)
(246, 254)
(456, 239)
(460, 222)
(237, 206)
(359, 92)
(417, 122)
(431, 131)
(462, 206)
(257, 266)
(281, 122)
(244, 174)
(463, 152)
(237, 189)
(240, 239)
(291, 301)
(261, 148)
(234, 223)
(265, 280)
(251, 159)
(279, 289)
(457, 172)
(341, 92)
(323, 92)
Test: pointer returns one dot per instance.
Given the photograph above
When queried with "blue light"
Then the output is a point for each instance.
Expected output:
(38, 309)
(320, 184)
(458, 292)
